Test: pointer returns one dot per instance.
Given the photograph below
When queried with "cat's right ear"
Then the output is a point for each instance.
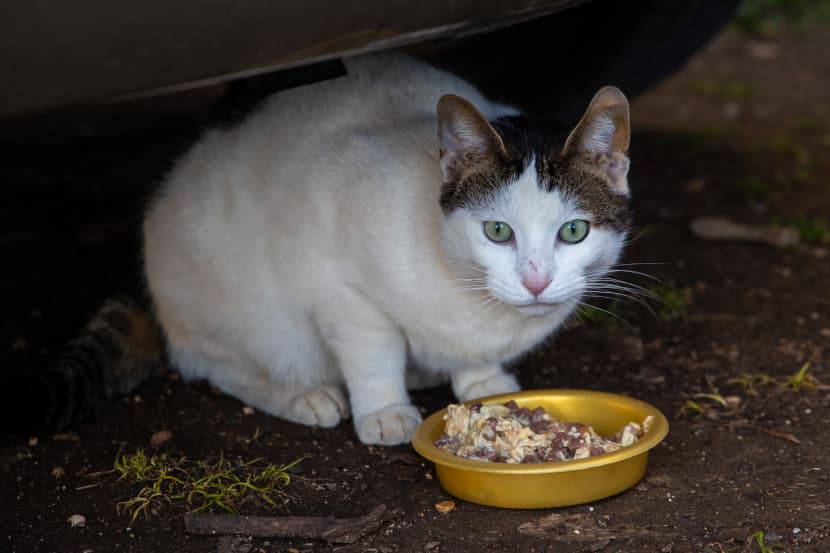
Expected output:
(466, 138)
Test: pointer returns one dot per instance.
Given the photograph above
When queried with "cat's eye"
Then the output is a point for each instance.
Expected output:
(498, 231)
(574, 231)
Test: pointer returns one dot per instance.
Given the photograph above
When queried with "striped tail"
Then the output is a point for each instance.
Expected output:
(118, 349)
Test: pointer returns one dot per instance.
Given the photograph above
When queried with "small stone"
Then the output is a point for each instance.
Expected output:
(57, 472)
(76, 520)
(430, 545)
(796, 530)
(248, 410)
(445, 507)
(762, 50)
(33, 441)
(733, 401)
(428, 476)
(731, 110)
(160, 437)
(825, 332)
(598, 545)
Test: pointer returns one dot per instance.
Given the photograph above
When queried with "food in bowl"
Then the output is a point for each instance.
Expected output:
(507, 433)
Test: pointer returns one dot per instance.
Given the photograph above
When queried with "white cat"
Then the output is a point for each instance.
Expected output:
(325, 246)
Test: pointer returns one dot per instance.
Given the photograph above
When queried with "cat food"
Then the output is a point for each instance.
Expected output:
(511, 434)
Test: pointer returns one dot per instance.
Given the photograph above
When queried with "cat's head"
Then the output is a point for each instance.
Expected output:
(528, 220)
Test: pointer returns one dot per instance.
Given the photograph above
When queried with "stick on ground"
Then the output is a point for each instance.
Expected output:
(329, 529)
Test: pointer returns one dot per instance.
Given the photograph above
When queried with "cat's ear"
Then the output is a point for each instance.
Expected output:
(604, 132)
(465, 137)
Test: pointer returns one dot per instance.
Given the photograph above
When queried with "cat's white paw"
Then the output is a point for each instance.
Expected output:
(391, 425)
(501, 383)
(323, 406)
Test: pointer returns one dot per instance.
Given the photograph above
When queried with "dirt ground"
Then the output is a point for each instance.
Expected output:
(742, 132)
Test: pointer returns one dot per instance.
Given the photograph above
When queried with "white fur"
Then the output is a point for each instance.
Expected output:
(305, 250)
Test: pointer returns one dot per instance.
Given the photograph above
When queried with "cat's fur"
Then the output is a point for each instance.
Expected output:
(324, 245)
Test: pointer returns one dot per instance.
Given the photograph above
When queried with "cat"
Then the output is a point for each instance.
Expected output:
(385, 228)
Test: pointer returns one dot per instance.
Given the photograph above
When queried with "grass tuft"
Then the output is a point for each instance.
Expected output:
(801, 380)
(201, 485)
(692, 408)
(750, 381)
(812, 230)
(673, 301)
(763, 547)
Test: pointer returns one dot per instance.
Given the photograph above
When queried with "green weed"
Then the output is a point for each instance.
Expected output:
(729, 89)
(201, 485)
(673, 301)
(692, 408)
(754, 189)
(801, 380)
(813, 230)
(766, 18)
(761, 541)
(750, 381)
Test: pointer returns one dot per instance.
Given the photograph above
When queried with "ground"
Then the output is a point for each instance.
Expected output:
(742, 132)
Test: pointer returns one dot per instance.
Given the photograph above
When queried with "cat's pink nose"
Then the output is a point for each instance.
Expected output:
(536, 283)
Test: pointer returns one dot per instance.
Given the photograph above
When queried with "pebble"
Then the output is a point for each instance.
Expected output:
(248, 410)
(76, 520)
(733, 401)
(57, 472)
(445, 507)
(160, 437)
(796, 530)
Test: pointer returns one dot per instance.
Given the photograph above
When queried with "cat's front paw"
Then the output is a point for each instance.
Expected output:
(323, 406)
(391, 425)
(501, 383)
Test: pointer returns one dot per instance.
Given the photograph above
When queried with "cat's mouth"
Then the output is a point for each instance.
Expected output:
(536, 309)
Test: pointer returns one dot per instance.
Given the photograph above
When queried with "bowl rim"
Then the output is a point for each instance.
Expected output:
(660, 427)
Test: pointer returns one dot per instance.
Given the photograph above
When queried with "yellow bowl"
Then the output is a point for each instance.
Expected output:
(557, 484)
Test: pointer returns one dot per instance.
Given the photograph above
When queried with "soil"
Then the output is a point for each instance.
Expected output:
(760, 463)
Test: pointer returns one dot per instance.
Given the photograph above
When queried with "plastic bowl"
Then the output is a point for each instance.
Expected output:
(554, 484)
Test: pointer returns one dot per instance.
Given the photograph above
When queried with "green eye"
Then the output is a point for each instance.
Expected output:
(498, 231)
(574, 231)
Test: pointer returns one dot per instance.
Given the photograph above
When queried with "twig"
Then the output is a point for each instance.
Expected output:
(784, 435)
(329, 529)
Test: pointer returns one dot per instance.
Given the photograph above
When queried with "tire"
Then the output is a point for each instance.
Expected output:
(551, 66)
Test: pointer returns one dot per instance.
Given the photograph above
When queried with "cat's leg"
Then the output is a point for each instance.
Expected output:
(312, 405)
(371, 352)
(487, 380)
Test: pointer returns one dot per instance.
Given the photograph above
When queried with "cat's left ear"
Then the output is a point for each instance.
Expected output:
(604, 134)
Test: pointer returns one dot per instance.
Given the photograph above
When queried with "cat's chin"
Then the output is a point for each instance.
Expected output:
(536, 309)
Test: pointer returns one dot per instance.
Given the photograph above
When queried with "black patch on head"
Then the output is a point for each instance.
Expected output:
(578, 176)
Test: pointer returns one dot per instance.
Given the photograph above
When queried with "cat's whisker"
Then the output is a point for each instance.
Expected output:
(589, 306)
(627, 286)
(621, 297)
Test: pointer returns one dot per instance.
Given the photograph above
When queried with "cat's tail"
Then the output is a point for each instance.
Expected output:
(117, 350)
